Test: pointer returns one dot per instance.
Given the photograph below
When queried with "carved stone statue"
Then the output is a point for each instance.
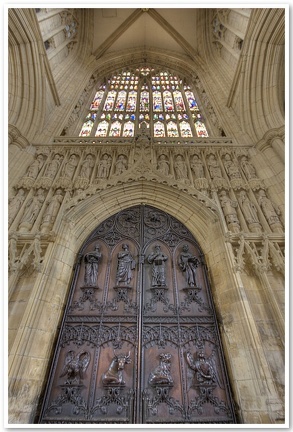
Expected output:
(214, 168)
(114, 374)
(158, 259)
(162, 373)
(248, 168)
(52, 210)
(126, 264)
(34, 169)
(69, 167)
(188, 264)
(104, 166)
(180, 168)
(53, 166)
(163, 165)
(229, 210)
(271, 211)
(14, 205)
(121, 164)
(91, 260)
(197, 167)
(205, 369)
(75, 366)
(231, 167)
(31, 210)
(249, 212)
(87, 165)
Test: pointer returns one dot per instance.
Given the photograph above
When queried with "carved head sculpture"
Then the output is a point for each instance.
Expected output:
(122, 359)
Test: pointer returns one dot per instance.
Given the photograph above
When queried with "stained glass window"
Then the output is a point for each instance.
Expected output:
(160, 100)
(115, 129)
(97, 100)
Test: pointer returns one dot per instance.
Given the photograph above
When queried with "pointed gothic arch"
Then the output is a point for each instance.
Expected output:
(140, 294)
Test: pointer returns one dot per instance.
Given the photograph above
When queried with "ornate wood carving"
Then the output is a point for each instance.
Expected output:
(139, 342)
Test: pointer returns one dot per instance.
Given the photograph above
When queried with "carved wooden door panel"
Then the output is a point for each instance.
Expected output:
(139, 342)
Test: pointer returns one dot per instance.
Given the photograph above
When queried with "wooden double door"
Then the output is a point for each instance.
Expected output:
(139, 341)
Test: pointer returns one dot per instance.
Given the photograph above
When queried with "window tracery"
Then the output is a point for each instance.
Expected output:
(159, 100)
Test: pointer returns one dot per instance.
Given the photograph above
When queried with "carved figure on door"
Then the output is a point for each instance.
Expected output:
(205, 369)
(188, 263)
(125, 267)
(114, 374)
(75, 366)
(158, 259)
(162, 373)
(92, 260)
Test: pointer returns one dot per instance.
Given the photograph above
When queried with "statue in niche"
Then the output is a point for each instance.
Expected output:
(120, 165)
(87, 165)
(75, 365)
(214, 168)
(92, 260)
(248, 168)
(197, 167)
(248, 209)
(125, 267)
(188, 263)
(270, 210)
(158, 259)
(52, 210)
(180, 167)
(231, 167)
(229, 210)
(69, 167)
(53, 166)
(34, 169)
(104, 166)
(162, 373)
(163, 165)
(205, 369)
(32, 209)
(14, 205)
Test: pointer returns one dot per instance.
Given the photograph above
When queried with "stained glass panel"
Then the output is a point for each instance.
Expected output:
(159, 129)
(95, 105)
(191, 100)
(86, 128)
(128, 130)
(200, 129)
(185, 129)
(144, 101)
(168, 101)
(131, 102)
(102, 129)
(115, 129)
(121, 99)
(109, 103)
(179, 103)
(157, 101)
(172, 130)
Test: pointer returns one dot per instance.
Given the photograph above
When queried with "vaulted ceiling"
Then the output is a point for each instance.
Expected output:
(168, 29)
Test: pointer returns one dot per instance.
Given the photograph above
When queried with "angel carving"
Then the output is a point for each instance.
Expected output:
(75, 366)
(205, 369)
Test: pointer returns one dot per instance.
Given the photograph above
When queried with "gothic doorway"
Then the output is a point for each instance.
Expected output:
(139, 342)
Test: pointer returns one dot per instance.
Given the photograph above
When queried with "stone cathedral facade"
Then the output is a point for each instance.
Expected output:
(157, 135)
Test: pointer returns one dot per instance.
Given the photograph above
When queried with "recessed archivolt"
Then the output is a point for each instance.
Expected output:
(87, 214)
